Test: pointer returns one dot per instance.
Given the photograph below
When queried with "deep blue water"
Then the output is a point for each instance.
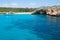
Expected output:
(29, 27)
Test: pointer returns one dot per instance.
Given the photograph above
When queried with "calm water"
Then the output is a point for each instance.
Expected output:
(29, 27)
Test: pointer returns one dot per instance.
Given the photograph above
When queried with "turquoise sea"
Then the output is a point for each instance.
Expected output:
(29, 27)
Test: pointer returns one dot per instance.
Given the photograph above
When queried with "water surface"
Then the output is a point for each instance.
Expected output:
(29, 27)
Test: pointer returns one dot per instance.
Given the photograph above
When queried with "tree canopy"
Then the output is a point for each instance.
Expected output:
(17, 9)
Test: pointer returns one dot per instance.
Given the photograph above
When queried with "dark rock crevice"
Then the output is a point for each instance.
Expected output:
(42, 11)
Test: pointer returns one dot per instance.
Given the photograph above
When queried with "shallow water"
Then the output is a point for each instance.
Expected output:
(29, 27)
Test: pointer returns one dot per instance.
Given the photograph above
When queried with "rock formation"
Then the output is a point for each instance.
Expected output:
(49, 11)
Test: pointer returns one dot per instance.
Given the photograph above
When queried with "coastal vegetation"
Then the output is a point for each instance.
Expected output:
(3, 9)
(7, 9)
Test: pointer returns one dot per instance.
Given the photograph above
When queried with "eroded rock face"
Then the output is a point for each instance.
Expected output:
(49, 11)
(42, 11)
(53, 12)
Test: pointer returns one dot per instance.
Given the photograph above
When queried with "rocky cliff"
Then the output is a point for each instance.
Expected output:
(47, 10)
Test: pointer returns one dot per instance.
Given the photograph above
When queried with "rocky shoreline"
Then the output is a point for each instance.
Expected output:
(54, 11)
